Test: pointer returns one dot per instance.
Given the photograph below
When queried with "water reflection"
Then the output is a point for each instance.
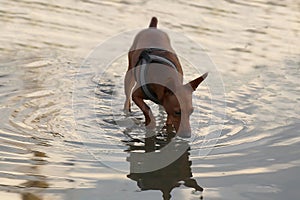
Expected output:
(253, 44)
(39, 180)
(167, 178)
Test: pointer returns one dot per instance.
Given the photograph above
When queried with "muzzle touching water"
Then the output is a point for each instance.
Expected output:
(184, 129)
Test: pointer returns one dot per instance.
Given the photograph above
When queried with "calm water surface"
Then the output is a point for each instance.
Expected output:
(55, 146)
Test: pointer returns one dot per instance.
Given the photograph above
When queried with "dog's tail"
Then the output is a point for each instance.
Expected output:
(153, 23)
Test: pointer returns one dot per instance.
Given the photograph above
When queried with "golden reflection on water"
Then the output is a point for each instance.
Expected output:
(38, 160)
(40, 182)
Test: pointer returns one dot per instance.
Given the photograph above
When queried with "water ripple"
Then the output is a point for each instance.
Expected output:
(46, 154)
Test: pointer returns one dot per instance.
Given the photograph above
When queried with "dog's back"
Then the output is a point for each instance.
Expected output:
(152, 37)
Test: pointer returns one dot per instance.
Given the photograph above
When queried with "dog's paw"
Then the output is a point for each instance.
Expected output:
(127, 107)
(127, 111)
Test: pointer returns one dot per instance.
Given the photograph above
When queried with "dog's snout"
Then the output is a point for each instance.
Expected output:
(183, 128)
(184, 134)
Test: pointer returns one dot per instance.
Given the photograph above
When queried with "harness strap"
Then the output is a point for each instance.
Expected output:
(145, 59)
(147, 91)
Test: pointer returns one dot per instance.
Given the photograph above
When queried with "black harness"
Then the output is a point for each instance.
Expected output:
(145, 59)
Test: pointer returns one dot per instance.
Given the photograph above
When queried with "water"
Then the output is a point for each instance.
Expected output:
(55, 146)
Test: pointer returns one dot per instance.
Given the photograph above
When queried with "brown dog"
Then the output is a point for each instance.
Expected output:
(154, 66)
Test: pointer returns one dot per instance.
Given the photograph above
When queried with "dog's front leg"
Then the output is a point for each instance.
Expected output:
(149, 118)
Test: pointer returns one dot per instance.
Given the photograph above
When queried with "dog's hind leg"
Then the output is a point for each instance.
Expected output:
(129, 83)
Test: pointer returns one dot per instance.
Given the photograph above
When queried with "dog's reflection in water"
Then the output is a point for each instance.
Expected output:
(161, 163)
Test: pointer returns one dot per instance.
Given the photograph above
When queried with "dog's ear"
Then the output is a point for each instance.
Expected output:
(194, 83)
(170, 87)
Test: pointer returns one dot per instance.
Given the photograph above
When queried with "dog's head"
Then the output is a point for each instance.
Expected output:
(178, 105)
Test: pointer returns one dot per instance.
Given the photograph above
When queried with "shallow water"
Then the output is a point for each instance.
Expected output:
(63, 134)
